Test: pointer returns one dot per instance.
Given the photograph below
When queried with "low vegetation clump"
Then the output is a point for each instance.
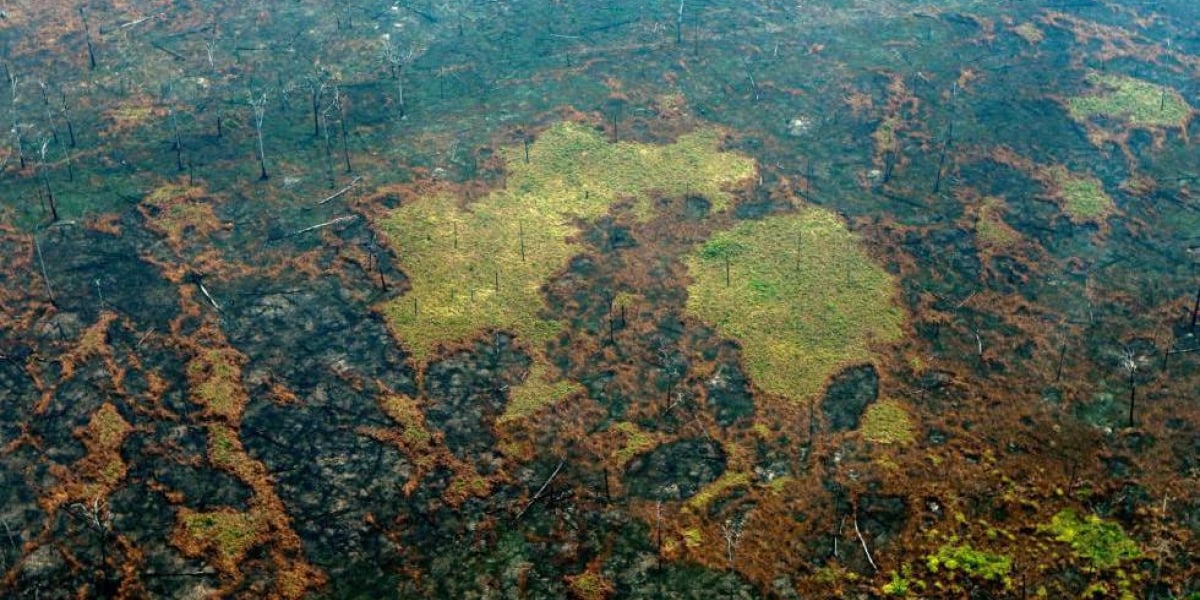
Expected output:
(798, 293)
(962, 558)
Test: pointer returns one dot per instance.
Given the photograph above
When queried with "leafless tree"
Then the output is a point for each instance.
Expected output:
(397, 59)
(259, 104)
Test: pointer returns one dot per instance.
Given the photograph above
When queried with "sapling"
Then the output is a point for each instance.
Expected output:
(317, 86)
(177, 145)
(679, 24)
(15, 130)
(1129, 364)
(54, 133)
(342, 125)
(37, 244)
(67, 118)
(260, 109)
(210, 48)
(42, 171)
(87, 37)
(1195, 310)
(731, 531)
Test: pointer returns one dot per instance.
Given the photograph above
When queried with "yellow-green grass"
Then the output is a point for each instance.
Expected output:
(728, 481)
(637, 441)
(1131, 101)
(482, 267)
(887, 422)
(1081, 196)
(802, 298)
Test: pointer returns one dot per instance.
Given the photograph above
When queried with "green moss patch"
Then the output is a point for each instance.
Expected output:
(1130, 101)
(798, 293)
(969, 561)
(1102, 542)
(482, 265)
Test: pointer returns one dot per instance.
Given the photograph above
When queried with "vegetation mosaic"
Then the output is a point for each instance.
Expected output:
(869, 299)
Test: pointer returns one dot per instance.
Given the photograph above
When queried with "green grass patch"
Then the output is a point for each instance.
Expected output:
(482, 266)
(887, 422)
(1082, 196)
(1131, 101)
(798, 293)
(1102, 542)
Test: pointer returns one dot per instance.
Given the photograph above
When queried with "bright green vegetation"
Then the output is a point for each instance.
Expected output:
(887, 422)
(1082, 196)
(967, 560)
(482, 265)
(1133, 101)
(799, 295)
(1102, 542)
(902, 583)
(538, 391)
(898, 586)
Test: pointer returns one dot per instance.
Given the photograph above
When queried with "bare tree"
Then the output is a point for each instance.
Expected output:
(259, 105)
(731, 530)
(17, 126)
(397, 59)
